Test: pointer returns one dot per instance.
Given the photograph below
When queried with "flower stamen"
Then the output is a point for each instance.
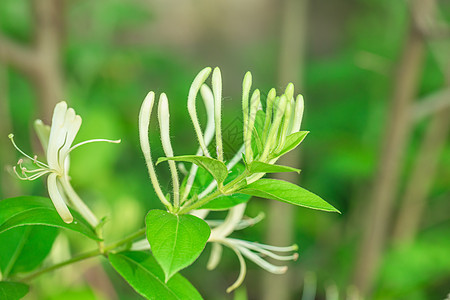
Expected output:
(35, 160)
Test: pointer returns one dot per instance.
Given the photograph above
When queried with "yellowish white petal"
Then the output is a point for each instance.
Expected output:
(57, 199)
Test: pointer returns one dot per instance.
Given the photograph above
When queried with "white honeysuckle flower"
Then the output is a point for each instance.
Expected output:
(251, 250)
(57, 142)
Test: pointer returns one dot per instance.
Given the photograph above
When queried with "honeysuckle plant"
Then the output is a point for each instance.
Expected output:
(173, 238)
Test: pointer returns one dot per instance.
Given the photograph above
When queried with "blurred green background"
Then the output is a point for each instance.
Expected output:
(352, 60)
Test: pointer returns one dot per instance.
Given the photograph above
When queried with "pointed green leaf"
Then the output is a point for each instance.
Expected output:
(226, 202)
(22, 249)
(176, 241)
(286, 192)
(12, 290)
(30, 210)
(144, 274)
(217, 168)
(292, 141)
(261, 167)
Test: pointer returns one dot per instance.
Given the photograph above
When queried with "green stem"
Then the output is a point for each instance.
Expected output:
(130, 238)
(201, 202)
(75, 259)
(16, 254)
(86, 255)
(227, 189)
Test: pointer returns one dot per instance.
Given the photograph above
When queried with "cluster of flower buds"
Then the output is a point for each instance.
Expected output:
(57, 142)
(265, 138)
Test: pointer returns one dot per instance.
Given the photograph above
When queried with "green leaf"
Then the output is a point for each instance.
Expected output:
(261, 167)
(226, 202)
(30, 210)
(292, 141)
(217, 168)
(144, 274)
(12, 290)
(22, 249)
(286, 192)
(176, 241)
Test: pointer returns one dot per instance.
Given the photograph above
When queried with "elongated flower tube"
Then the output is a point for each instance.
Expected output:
(164, 117)
(57, 142)
(144, 122)
(208, 100)
(193, 91)
(298, 114)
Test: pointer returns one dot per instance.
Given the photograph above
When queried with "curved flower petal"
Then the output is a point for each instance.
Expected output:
(72, 125)
(57, 199)
(56, 139)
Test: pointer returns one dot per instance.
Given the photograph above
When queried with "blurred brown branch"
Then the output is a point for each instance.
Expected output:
(431, 104)
(396, 135)
(18, 56)
(290, 68)
(421, 178)
(418, 187)
(41, 60)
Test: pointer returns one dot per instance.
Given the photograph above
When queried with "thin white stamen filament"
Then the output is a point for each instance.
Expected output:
(35, 176)
(25, 170)
(262, 250)
(94, 141)
(30, 178)
(261, 262)
(144, 122)
(164, 125)
(275, 248)
(39, 163)
(193, 91)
